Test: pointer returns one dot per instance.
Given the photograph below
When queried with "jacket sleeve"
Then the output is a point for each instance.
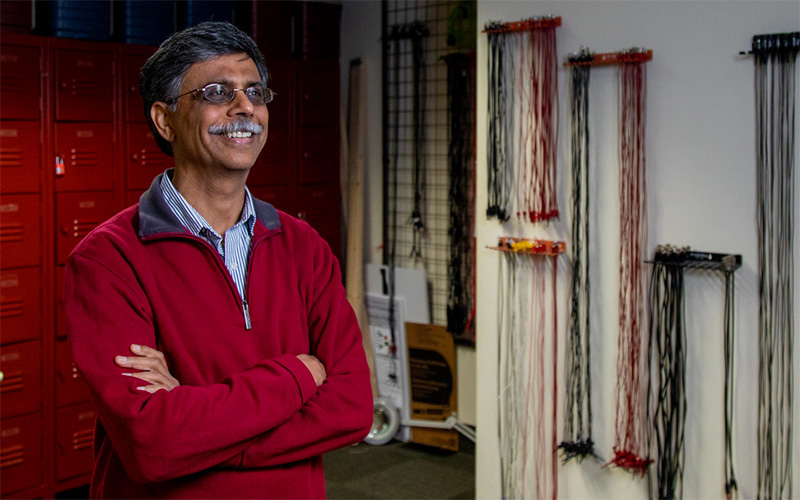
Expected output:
(340, 414)
(189, 429)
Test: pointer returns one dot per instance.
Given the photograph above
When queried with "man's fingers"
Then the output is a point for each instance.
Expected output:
(152, 388)
(156, 379)
(143, 350)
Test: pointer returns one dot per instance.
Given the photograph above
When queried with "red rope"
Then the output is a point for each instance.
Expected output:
(629, 447)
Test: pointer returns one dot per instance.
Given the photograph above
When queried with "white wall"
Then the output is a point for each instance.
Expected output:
(701, 190)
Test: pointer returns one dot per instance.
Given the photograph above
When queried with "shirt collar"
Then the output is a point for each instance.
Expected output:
(191, 218)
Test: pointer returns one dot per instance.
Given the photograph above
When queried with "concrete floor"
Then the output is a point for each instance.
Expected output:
(400, 470)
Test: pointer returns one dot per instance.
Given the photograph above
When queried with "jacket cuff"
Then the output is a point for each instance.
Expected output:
(302, 375)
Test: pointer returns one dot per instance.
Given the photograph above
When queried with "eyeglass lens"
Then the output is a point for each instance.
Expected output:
(220, 93)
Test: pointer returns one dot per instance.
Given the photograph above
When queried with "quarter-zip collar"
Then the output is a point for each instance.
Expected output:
(156, 219)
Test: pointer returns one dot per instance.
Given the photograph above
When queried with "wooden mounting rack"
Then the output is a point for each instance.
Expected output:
(530, 246)
(611, 58)
(524, 25)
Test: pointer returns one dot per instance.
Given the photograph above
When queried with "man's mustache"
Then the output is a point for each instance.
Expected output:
(237, 126)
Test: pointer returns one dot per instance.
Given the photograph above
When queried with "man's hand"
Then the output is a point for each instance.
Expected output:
(315, 366)
(152, 366)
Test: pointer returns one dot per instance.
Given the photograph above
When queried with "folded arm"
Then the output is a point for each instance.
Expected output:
(168, 434)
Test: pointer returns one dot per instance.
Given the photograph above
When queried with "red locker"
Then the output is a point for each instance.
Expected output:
(320, 28)
(20, 304)
(319, 206)
(20, 453)
(19, 80)
(61, 319)
(19, 156)
(85, 156)
(84, 85)
(70, 387)
(318, 85)
(132, 196)
(273, 164)
(319, 156)
(21, 387)
(273, 27)
(20, 240)
(144, 159)
(76, 215)
(131, 67)
(74, 433)
(281, 81)
(278, 196)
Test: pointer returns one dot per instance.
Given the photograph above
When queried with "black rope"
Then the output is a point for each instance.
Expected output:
(667, 349)
(775, 82)
(460, 154)
(415, 32)
(730, 476)
(500, 155)
(578, 441)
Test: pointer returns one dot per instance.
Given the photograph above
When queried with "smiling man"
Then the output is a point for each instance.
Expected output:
(213, 330)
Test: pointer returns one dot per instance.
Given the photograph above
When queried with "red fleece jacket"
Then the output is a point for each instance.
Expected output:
(248, 420)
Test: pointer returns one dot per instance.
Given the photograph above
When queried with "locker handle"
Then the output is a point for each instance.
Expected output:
(302, 215)
(60, 167)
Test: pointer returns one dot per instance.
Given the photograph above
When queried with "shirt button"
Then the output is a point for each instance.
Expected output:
(235, 266)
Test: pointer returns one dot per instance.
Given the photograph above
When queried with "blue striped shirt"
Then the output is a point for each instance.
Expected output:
(234, 247)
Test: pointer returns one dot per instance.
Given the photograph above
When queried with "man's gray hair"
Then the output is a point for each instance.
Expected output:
(163, 73)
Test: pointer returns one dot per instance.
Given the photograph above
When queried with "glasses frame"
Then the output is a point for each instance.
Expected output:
(269, 94)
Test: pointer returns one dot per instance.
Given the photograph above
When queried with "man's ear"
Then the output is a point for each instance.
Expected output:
(160, 114)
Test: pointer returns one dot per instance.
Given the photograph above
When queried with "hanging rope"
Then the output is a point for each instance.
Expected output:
(578, 401)
(500, 151)
(730, 476)
(667, 349)
(522, 360)
(775, 58)
(536, 172)
(460, 276)
(629, 447)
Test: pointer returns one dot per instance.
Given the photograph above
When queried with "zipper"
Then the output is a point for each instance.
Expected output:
(246, 310)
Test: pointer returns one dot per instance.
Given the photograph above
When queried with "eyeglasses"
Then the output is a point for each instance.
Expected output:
(219, 93)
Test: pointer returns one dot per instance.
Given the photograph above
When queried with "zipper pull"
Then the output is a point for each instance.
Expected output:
(246, 310)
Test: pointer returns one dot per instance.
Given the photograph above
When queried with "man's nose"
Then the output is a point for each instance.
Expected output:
(241, 103)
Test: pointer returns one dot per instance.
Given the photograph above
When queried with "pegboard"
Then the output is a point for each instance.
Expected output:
(416, 150)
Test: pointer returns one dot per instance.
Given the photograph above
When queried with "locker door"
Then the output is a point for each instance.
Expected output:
(19, 156)
(20, 304)
(86, 150)
(273, 164)
(278, 196)
(70, 387)
(318, 85)
(61, 318)
(20, 453)
(84, 85)
(281, 80)
(19, 230)
(145, 159)
(321, 30)
(76, 215)
(75, 430)
(134, 108)
(319, 206)
(319, 156)
(19, 83)
(21, 387)
(273, 28)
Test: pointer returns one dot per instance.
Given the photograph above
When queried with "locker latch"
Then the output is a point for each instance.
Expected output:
(60, 169)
